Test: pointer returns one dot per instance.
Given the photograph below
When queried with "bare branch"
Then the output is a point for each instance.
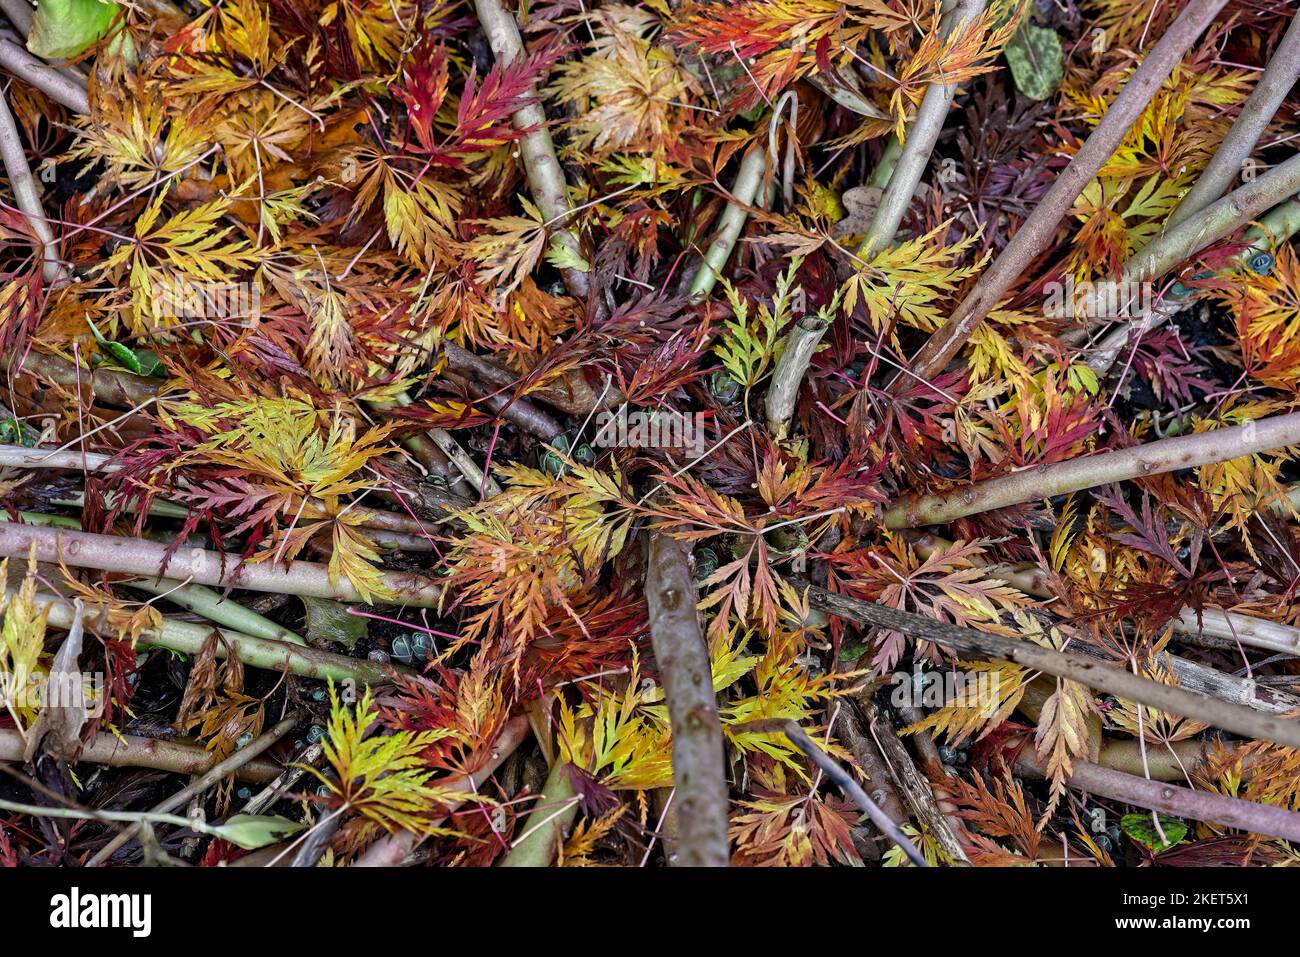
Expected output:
(1090, 672)
(545, 177)
(843, 780)
(699, 768)
(1177, 801)
(1270, 90)
(1039, 231)
(212, 776)
(134, 751)
(1090, 471)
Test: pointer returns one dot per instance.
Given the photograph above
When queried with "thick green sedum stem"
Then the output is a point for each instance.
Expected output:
(744, 192)
(217, 608)
(543, 832)
(188, 638)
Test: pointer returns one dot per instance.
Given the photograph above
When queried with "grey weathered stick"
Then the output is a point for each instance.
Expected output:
(843, 780)
(36, 72)
(447, 444)
(699, 767)
(20, 14)
(1039, 229)
(1090, 672)
(1270, 90)
(1194, 234)
(1219, 219)
(569, 394)
(1232, 627)
(800, 343)
(212, 776)
(871, 761)
(1090, 471)
(1177, 801)
(25, 193)
(136, 556)
(914, 786)
(545, 177)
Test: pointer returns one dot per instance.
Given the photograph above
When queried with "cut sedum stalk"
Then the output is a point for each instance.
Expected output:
(214, 607)
(743, 194)
(899, 173)
(543, 832)
(188, 638)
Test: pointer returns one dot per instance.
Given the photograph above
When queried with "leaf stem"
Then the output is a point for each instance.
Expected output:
(215, 607)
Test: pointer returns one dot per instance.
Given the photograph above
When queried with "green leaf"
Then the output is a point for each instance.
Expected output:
(330, 621)
(251, 831)
(1142, 829)
(65, 28)
(1036, 60)
(140, 361)
(562, 257)
(1083, 379)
